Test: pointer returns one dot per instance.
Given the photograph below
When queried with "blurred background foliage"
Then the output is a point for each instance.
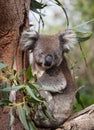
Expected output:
(81, 17)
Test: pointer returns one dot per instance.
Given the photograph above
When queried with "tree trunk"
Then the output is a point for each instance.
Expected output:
(13, 20)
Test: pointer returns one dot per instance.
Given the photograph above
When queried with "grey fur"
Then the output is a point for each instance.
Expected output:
(58, 87)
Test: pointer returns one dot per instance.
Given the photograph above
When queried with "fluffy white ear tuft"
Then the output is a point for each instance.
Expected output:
(28, 39)
(68, 39)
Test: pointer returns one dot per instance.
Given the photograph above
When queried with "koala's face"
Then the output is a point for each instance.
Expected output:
(48, 50)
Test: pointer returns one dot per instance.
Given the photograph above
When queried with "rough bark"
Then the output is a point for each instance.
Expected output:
(13, 20)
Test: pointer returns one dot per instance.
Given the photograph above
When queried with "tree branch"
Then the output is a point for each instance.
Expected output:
(83, 120)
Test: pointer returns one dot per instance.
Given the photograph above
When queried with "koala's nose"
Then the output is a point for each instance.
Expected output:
(48, 60)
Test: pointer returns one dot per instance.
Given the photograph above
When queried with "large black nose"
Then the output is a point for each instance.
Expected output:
(48, 60)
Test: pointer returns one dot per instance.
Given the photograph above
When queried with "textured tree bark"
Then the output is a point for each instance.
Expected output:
(13, 20)
(83, 120)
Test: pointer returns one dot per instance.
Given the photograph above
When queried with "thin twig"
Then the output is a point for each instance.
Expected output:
(83, 55)
(87, 22)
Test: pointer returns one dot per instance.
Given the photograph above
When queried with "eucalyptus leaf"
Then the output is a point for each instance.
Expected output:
(2, 65)
(22, 117)
(4, 94)
(31, 125)
(38, 12)
(17, 79)
(4, 102)
(29, 73)
(22, 73)
(8, 89)
(34, 86)
(15, 72)
(27, 109)
(47, 114)
(37, 86)
(31, 93)
(37, 5)
(82, 37)
(78, 98)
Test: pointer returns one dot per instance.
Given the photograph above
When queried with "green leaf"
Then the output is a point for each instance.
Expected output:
(79, 100)
(31, 125)
(38, 12)
(21, 73)
(14, 72)
(34, 86)
(29, 73)
(35, 77)
(22, 117)
(82, 37)
(31, 93)
(47, 114)
(4, 102)
(4, 94)
(27, 109)
(17, 79)
(8, 89)
(2, 65)
(37, 86)
(37, 5)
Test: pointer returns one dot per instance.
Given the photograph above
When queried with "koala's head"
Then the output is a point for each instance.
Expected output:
(48, 50)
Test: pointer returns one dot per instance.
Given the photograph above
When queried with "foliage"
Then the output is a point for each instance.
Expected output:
(82, 37)
(84, 97)
(86, 13)
(30, 90)
(31, 98)
(36, 7)
(86, 78)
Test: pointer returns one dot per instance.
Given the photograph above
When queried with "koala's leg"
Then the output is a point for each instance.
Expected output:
(41, 120)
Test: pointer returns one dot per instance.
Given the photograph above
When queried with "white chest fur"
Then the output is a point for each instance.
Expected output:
(53, 81)
(35, 69)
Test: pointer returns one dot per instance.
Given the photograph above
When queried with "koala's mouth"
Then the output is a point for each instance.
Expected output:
(43, 66)
(39, 64)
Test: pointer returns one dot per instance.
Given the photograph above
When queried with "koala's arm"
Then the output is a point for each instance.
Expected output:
(53, 80)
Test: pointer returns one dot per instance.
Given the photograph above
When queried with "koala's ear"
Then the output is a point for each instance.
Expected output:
(28, 39)
(68, 39)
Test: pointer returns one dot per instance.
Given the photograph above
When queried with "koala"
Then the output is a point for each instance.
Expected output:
(46, 54)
